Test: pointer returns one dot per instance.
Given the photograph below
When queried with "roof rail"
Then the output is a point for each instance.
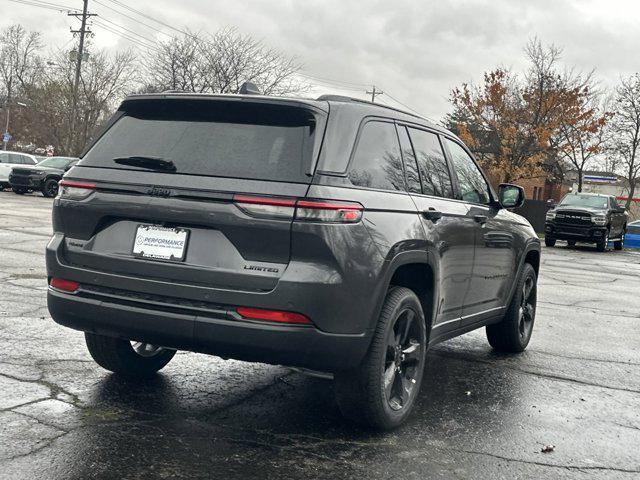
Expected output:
(344, 98)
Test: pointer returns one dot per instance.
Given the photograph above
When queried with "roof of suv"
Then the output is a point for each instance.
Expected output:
(341, 129)
(320, 103)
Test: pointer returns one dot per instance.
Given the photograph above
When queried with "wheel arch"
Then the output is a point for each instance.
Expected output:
(417, 272)
(531, 255)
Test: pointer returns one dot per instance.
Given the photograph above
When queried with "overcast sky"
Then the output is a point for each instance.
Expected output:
(415, 51)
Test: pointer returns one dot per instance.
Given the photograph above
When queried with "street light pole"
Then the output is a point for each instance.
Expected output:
(5, 139)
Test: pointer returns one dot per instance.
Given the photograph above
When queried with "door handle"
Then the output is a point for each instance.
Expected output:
(432, 214)
(482, 219)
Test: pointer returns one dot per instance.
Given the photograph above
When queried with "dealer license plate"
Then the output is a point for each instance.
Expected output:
(160, 242)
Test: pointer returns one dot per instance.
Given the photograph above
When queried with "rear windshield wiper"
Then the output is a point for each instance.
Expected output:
(152, 163)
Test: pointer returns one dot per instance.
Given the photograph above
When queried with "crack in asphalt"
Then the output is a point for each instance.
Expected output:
(552, 465)
(465, 358)
(588, 359)
(602, 311)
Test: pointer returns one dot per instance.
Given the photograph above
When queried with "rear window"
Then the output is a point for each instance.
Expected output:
(216, 138)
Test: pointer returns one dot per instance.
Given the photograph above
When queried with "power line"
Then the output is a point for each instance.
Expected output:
(336, 82)
(45, 5)
(132, 32)
(155, 29)
(126, 36)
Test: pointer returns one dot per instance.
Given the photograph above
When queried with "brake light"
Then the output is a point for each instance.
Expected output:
(302, 210)
(75, 190)
(64, 285)
(273, 316)
(266, 207)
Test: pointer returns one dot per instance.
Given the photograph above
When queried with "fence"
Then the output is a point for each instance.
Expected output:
(535, 211)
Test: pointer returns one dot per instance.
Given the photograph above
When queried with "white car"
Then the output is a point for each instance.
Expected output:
(8, 160)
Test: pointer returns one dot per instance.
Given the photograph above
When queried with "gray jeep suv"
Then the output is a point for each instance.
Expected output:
(331, 234)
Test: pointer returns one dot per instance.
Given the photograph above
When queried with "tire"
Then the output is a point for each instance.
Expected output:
(571, 243)
(397, 353)
(513, 333)
(50, 188)
(120, 357)
(19, 191)
(619, 244)
(604, 244)
(550, 242)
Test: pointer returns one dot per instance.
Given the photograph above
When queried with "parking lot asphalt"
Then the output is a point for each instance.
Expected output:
(480, 415)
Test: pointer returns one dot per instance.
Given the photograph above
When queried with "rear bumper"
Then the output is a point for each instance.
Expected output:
(217, 333)
(201, 319)
(576, 233)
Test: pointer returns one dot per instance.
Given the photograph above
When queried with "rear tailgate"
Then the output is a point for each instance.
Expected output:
(220, 148)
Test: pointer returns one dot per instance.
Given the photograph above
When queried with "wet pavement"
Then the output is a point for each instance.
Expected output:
(480, 415)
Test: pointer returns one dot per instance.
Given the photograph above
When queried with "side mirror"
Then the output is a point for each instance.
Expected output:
(510, 196)
(551, 203)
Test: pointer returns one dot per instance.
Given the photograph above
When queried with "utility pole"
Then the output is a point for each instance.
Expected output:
(76, 82)
(374, 93)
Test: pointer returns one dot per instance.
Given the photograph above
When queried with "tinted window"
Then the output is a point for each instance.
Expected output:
(57, 162)
(473, 187)
(376, 162)
(410, 165)
(16, 159)
(578, 200)
(434, 171)
(218, 138)
(4, 157)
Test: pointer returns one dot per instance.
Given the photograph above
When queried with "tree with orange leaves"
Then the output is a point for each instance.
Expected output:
(513, 123)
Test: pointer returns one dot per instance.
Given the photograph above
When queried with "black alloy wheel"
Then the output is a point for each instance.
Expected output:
(514, 332)
(527, 311)
(50, 188)
(404, 361)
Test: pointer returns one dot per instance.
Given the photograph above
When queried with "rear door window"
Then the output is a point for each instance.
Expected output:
(16, 159)
(376, 162)
(410, 165)
(434, 172)
(217, 138)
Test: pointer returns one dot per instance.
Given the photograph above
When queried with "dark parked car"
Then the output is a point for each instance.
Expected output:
(331, 234)
(43, 177)
(587, 217)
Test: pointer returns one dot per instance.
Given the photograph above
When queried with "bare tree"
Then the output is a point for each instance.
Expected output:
(221, 63)
(178, 65)
(19, 63)
(625, 131)
(104, 81)
(582, 136)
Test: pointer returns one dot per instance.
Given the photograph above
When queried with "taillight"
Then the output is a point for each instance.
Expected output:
(75, 190)
(64, 285)
(302, 210)
(328, 211)
(266, 207)
(273, 316)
